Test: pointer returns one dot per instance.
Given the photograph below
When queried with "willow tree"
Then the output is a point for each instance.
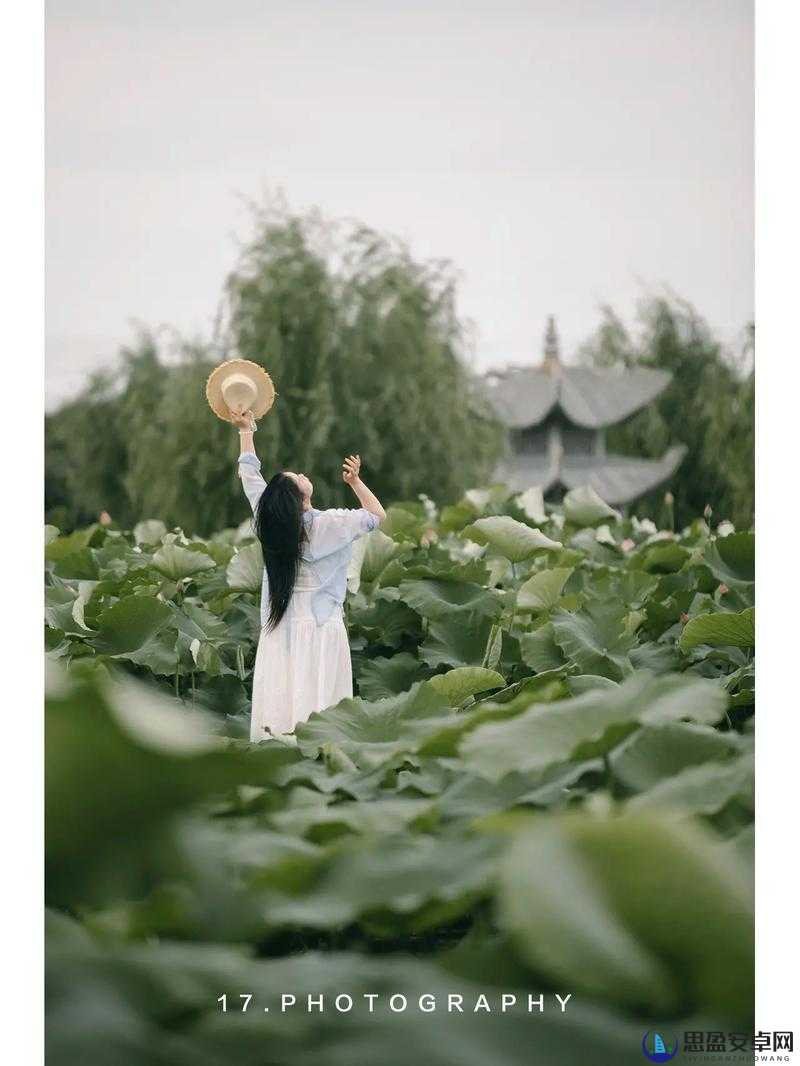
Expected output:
(709, 406)
(179, 465)
(367, 354)
(84, 446)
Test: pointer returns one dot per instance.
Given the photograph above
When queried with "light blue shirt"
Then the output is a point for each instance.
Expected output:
(327, 552)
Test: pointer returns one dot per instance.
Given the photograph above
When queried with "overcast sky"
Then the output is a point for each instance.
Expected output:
(562, 153)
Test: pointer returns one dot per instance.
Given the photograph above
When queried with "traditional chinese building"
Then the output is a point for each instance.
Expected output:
(557, 416)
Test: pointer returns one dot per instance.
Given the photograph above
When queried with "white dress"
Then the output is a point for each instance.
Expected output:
(303, 665)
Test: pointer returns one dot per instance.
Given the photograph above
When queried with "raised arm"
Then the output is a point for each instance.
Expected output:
(351, 468)
(246, 425)
(249, 463)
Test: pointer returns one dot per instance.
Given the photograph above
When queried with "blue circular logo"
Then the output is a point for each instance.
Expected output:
(656, 1049)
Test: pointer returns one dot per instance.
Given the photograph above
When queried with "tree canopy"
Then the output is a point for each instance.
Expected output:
(367, 353)
(709, 406)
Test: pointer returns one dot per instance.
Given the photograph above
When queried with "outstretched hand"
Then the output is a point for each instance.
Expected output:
(244, 419)
(351, 468)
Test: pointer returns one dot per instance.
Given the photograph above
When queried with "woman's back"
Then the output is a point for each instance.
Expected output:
(322, 573)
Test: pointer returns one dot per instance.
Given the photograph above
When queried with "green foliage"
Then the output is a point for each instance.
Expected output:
(544, 781)
(367, 355)
(721, 629)
(514, 540)
(709, 406)
(156, 1003)
(692, 941)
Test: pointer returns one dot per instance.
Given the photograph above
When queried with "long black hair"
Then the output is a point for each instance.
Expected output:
(279, 527)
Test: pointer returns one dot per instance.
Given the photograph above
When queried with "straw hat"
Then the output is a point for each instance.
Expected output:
(239, 385)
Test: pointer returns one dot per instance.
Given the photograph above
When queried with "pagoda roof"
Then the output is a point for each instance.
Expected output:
(617, 479)
(589, 397)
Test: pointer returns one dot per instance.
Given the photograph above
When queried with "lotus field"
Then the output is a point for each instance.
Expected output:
(544, 785)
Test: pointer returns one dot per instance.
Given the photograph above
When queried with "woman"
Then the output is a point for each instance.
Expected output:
(303, 656)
